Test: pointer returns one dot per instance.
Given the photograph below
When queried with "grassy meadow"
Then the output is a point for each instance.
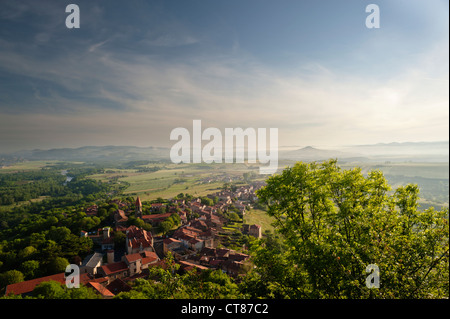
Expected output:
(172, 179)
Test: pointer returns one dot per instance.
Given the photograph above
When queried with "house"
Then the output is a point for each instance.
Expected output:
(107, 242)
(183, 217)
(255, 231)
(91, 263)
(199, 224)
(196, 244)
(225, 197)
(114, 270)
(157, 207)
(101, 237)
(238, 257)
(196, 206)
(195, 238)
(117, 286)
(134, 263)
(188, 266)
(171, 244)
(100, 289)
(231, 267)
(138, 240)
(252, 230)
(178, 201)
(140, 261)
(149, 258)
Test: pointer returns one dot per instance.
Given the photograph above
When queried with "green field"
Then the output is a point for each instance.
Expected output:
(172, 179)
(26, 166)
(259, 217)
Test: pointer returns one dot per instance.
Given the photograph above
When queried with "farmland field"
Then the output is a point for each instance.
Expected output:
(172, 179)
(260, 217)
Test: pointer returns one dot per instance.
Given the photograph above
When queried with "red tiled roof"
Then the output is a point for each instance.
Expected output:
(29, 285)
(118, 286)
(137, 237)
(169, 241)
(149, 254)
(137, 243)
(188, 265)
(156, 216)
(114, 268)
(120, 216)
(149, 260)
(133, 257)
(102, 290)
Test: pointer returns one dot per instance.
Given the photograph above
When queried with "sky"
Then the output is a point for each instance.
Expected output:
(135, 70)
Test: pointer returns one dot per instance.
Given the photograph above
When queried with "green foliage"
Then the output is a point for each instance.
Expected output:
(207, 201)
(57, 265)
(10, 277)
(49, 290)
(233, 216)
(334, 223)
(169, 223)
(54, 290)
(30, 268)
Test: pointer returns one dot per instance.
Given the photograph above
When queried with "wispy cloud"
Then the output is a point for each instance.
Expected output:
(133, 85)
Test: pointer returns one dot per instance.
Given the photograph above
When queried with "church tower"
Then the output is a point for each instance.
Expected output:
(138, 207)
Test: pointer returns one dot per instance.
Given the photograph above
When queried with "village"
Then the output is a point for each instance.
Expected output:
(195, 242)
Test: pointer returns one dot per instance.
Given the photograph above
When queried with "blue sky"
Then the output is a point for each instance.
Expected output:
(137, 69)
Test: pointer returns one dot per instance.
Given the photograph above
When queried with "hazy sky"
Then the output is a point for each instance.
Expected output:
(135, 70)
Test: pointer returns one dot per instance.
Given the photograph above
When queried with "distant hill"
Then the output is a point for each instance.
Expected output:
(423, 152)
(414, 151)
(96, 153)
(408, 148)
(310, 153)
(410, 151)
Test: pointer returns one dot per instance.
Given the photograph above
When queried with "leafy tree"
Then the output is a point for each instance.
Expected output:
(175, 219)
(58, 234)
(48, 251)
(82, 292)
(207, 201)
(119, 239)
(165, 226)
(27, 252)
(57, 265)
(10, 277)
(234, 216)
(49, 290)
(30, 268)
(133, 294)
(180, 196)
(334, 223)
(102, 212)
